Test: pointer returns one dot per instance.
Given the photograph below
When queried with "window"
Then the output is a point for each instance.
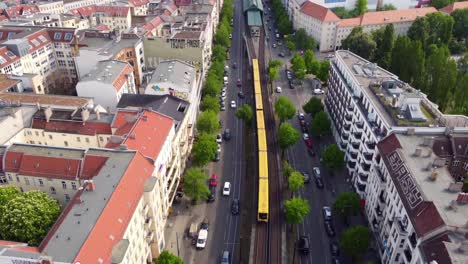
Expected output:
(71, 64)
(78, 139)
(73, 184)
(57, 45)
(49, 47)
(42, 39)
(26, 180)
(17, 179)
(87, 140)
(60, 54)
(52, 190)
(35, 42)
(41, 51)
(41, 183)
(57, 35)
(50, 136)
(37, 133)
(65, 143)
(51, 56)
(64, 185)
(67, 198)
(62, 63)
(68, 36)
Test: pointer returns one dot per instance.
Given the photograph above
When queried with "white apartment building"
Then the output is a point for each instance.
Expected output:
(107, 82)
(51, 7)
(329, 30)
(117, 18)
(72, 4)
(138, 7)
(372, 4)
(368, 106)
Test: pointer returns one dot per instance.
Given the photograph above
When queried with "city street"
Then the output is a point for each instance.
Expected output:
(224, 228)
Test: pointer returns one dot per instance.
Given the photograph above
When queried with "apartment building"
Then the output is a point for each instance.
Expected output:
(137, 7)
(118, 18)
(162, 7)
(51, 7)
(48, 20)
(372, 4)
(95, 46)
(208, 8)
(366, 103)
(454, 6)
(374, 115)
(329, 30)
(45, 53)
(187, 38)
(107, 82)
(416, 206)
(179, 79)
(72, 4)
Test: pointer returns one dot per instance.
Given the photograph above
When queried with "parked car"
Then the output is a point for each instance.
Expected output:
(222, 107)
(219, 148)
(274, 45)
(317, 173)
(227, 134)
(319, 183)
(214, 180)
(305, 136)
(311, 152)
(304, 129)
(225, 257)
(233, 104)
(301, 116)
(303, 244)
(204, 226)
(241, 95)
(334, 249)
(239, 83)
(219, 139)
(235, 206)
(335, 260)
(234, 65)
(318, 91)
(227, 189)
(329, 229)
(201, 240)
(278, 89)
(306, 177)
(217, 157)
(212, 196)
(308, 142)
(281, 54)
(230, 36)
(327, 213)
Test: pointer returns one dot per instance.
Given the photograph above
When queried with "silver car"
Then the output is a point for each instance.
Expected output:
(225, 258)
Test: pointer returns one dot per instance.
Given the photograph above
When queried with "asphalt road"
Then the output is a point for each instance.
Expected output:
(298, 157)
(224, 227)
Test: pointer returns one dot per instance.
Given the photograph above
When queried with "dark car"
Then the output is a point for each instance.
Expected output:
(212, 196)
(304, 129)
(235, 207)
(241, 94)
(319, 183)
(281, 54)
(334, 249)
(303, 244)
(306, 177)
(329, 229)
(309, 143)
(204, 226)
(227, 134)
(311, 152)
(234, 66)
(335, 260)
(239, 82)
(217, 157)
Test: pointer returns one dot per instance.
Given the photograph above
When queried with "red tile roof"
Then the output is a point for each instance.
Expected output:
(387, 17)
(13, 161)
(435, 250)
(137, 3)
(16, 11)
(38, 40)
(92, 166)
(426, 218)
(147, 134)
(5, 32)
(8, 56)
(102, 27)
(67, 126)
(122, 77)
(121, 205)
(61, 35)
(124, 121)
(154, 23)
(110, 11)
(454, 6)
(50, 167)
(462, 198)
(17, 246)
(318, 12)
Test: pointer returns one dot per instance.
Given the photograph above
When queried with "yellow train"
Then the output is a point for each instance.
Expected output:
(263, 190)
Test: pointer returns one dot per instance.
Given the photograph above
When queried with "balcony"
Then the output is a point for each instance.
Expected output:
(382, 198)
(148, 222)
(361, 187)
(368, 156)
(347, 127)
(350, 108)
(360, 124)
(351, 164)
(402, 227)
(363, 177)
(356, 145)
(349, 117)
(378, 212)
(149, 236)
(408, 254)
(370, 145)
(353, 155)
(413, 240)
(380, 175)
(345, 136)
(343, 145)
(145, 209)
(357, 135)
(365, 167)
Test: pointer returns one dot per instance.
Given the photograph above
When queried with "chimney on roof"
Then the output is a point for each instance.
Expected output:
(91, 186)
(98, 115)
(123, 147)
(434, 175)
(48, 113)
(84, 115)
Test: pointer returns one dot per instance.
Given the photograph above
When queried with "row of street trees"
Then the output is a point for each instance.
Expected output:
(205, 148)
(26, 217)
(422, 58)
(307, 64)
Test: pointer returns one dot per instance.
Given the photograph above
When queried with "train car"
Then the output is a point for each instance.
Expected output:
(257, 87)
(258, 102)
(263, 202)
(263, 165)
(256, 72)
(260, 120)
(261, 135)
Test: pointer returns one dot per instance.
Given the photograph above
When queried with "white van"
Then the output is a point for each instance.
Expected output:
(227, 188)
(225, 80)
(201, 240)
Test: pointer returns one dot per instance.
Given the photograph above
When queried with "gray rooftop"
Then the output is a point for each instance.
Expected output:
(66, 241)
(165, 104)
(176, 72)
(13, 119)
(54, 152)
(105, 71)
(105, 46)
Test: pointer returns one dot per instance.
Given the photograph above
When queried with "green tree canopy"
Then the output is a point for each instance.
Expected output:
(387, 7)
(219, 53)
(320, 125)
(460, 26)
(360, 43)
(204, 149)
(315, 67)
(284, 108)
(167, 258)
(333, 157)
(385, 39)
(208, 122)
(313, 106)
(299, 66)
(361, 7)
(209, 103)
(355, 241)
(291, 46)
(408, 61)
(296, 209)
(347, 204)
(222, 35)
(435, 28)
(459, 104)
(304, 41)
(245, 113)
(28, 217)
(342, 12)
(273, 73)
(287, 169)
(212, 85)
(8, 192)
(295, 181)
(309, 60)
(287, 136)
(195, 185)
(324, 70)
(274, 63)
(441, 3)
(217, 69)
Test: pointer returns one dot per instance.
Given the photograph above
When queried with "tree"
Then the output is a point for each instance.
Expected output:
(360, 43)
(274, 63)
(441, 3)
(219, 53)
(387, 7)
(408, 61)
(209, 103)
(324, 70)
(419, 30)
(320, 125)
(304, 41)
(460, 26)
(195, 185)
(296, 209)
(287, 169)
(222, 35)
(385, 40)
(287, 136)
(273, 73)
(361, 7)
(465, 186)
(342, 12)
(8, 192)
(28, 217)
(435, 28)
(459, 104)
(167, 258)
(333, 158)
(299, 66)
(295, 181)
(309, 60)
(347, 204)
(204, 149)
(313, 106)
(355, 240)
(245, 113)
(284, 108)
(208, 122)
(315, 67)
(290, 45)
(217, 69)
(212, 85)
